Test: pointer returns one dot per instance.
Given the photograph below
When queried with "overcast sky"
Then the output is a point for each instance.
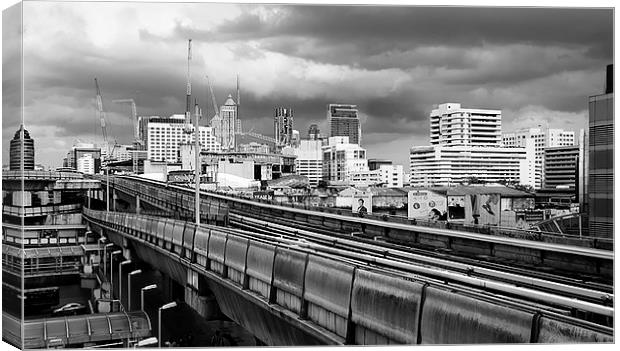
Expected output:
(395, 63)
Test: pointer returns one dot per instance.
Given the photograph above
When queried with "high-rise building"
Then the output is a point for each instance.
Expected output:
(313, 132)
(82, 149)
(453, 125)
(344, 121)
(391, 175)
(225, 124)
(601, 161)
(542, 137)
(166, 134)
(466, 143)
(21, 148)
(283, 126)
(341, 159)
(309, 160)
(561, 167)
(86, 164)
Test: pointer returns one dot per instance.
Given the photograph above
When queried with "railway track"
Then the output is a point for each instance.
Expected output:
(551, 290)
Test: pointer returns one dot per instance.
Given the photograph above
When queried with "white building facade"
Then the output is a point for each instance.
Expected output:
(466, 143)
(309, 161)
(225, 124)
(391, 175)
(86, 164)
(541, 138)
(166, 134)
(341, 159)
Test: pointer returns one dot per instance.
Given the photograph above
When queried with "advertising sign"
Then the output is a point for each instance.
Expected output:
(456, 207)
(482, 209)
(426, 205)
(361, 200)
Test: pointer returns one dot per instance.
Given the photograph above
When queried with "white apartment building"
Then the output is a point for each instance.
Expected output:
(166, 134)
(341, 159)
(541, 137)
(86, 164)
(453, 125)
(309, 161)
(467, 143)
(391, 175)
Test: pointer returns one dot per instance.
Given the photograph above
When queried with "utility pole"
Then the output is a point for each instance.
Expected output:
(197, 165)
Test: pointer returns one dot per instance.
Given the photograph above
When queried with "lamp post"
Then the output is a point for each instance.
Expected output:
(120, 279)
(117, 252)
(148, 287)
(105, 258)
(132, 273)
(164, 307)
(107, 193)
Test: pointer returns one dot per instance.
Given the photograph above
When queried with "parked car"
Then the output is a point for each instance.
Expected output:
(71, 308)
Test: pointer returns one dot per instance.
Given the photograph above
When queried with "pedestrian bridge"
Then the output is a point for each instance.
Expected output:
(286, 293)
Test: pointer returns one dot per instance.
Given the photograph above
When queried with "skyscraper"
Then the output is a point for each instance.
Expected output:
(283, 126)
(344, 121)
(601, 161)
(21, 147)
(451, 125)
(226, 133)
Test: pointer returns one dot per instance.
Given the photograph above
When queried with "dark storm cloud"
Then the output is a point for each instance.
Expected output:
(375, 29)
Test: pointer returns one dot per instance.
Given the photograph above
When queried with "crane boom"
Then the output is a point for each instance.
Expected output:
(215, 107)
(102, 118)
(134, 117)
(188, 113)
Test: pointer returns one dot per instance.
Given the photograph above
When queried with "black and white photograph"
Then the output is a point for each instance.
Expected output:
(206, 174)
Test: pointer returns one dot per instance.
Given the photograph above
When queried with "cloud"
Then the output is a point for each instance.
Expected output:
(395, 63)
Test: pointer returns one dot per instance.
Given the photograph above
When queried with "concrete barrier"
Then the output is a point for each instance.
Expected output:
(236, 249)
(556, 331)
(217, 250)
(452, 318)
(385, 309)
(260, 267)
(328, 293)
(288, 278)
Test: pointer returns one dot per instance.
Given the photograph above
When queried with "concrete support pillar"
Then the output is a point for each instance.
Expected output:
(138, 204)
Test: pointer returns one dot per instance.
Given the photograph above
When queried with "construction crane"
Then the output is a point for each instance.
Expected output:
(215, 107)
(188, 114)
(102, 119)
(136, 131)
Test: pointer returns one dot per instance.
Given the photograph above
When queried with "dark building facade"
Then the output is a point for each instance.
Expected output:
(561, 167)
(313, 132)
(283, 126)
(344, 121)
(22, 137)
(601, 161)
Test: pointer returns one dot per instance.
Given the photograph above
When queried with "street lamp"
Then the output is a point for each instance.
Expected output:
(112, 270)
(132, 273)
(164, 307)
(105, 258)
(107, 193)
(120, 279)
(148, 287)
(146, 342)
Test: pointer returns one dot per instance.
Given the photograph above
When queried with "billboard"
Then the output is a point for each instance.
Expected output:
(359, 199)
(456, 207)
(482, 209)
(426, 205)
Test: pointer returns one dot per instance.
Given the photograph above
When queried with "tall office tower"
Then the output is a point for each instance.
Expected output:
(228, 124)
(313, 132)
(344, 121)
(601, 161)
(166, 134)
(542, 137)
(466, 143)
(283, 126)
(21, 147)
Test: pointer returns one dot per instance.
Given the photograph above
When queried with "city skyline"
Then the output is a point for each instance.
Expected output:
(529, 63)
